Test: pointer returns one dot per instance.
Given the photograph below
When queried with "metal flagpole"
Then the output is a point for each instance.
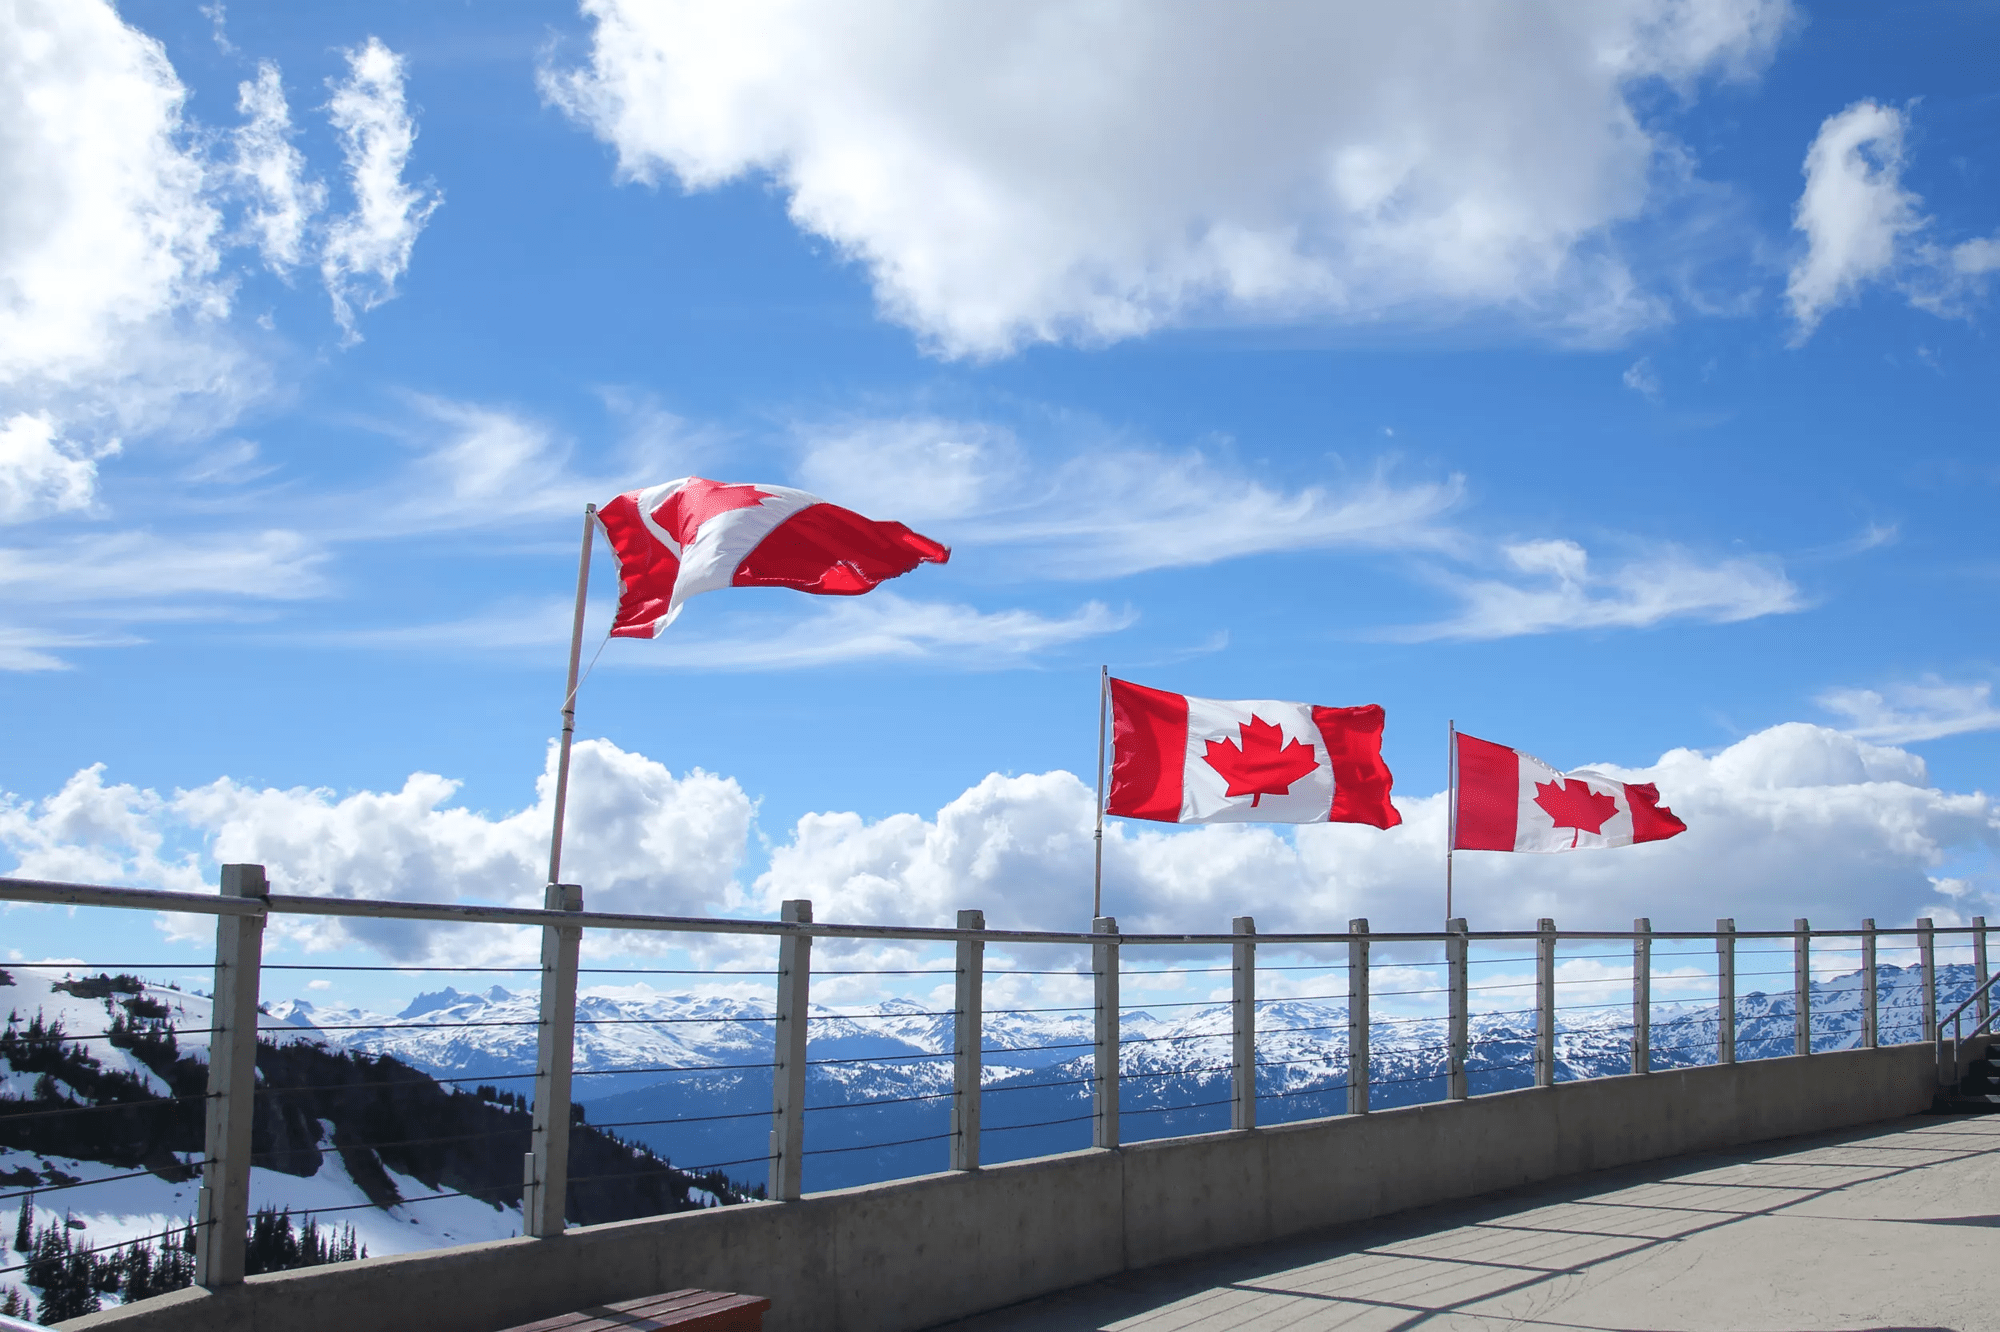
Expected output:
(569, 697)
(1451, 813)
(1103, 693)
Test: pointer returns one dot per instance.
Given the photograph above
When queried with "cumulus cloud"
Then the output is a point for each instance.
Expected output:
(1863, 226)
(1853, 212)
(1559, 590)
(1043, 171)
(272, 171)
(109, 240)
(1926, 710)
(368, 249)
(1109, 509)
(640, 838)
(42, 473)
(1797, 820)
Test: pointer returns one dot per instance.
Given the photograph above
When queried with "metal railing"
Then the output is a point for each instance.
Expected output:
(1462, 1056)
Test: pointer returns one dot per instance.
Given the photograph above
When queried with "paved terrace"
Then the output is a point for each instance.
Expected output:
(1889, 1228)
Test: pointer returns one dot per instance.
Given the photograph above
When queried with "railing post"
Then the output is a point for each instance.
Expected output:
(788, 1073)
(1642, 995)
(1357, 1017)
(1459, 1023)
(545, 1188)
(1104, 1063)
(967, 1013)
(223, 1205)
(1980, 973)
(1545, 1003)
(1927, 958)
(1725, 991)
(1801, 986)
(1243, 1024)
(1871, 1032)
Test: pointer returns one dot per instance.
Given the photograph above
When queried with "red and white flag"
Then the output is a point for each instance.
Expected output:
(1510, 801)
(692, 536)
(1177, 759)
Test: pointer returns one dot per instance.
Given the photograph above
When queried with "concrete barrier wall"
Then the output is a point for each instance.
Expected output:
(906, 1255)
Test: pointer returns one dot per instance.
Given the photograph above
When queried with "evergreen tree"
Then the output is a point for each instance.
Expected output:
(24, 1229)
(15, 1303)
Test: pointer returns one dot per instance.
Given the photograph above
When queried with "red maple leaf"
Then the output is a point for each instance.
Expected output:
(1575, 805)
(1265, 765)
(698, 501)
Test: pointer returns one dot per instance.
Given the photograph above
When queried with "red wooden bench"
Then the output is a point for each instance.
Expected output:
(685, 1310)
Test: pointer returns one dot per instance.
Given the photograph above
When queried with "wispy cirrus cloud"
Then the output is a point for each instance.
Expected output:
(882, 626)
(1555, 588)
(1108, 509)
(1927, 709)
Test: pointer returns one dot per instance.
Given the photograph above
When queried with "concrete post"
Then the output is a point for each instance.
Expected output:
(1104, 1064)
(1243, 1024)
(788, 1074)
(223, 1205)
(545, 1185)
(1459, 1033)
(1871, 1034)
(1927, 958)
(1801, 987)
(1725, 991)
(1642, 995)
(966, 1027)
(1980, 973)
(1545, 1003)
(1357, 1018)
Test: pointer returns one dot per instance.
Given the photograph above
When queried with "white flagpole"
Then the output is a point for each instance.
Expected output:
(1451, 813)
(1103, 694)
(569, 697)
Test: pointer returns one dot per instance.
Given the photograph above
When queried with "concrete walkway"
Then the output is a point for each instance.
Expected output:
(1894, 1228)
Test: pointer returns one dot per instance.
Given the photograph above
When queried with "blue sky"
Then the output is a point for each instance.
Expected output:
(1518, 367)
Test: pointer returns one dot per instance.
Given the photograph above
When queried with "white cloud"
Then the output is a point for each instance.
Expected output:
(1854, 210)
(42, 473)
(1862, 226)
(1562, 592)
(1643, 379)
(273, 172)
(1927, 710)
(639, 838)
(142, 569)
(1044, 171)
(108, 241)
(1796, 820)
(368, 249)
(878, 627)
(1110, 509)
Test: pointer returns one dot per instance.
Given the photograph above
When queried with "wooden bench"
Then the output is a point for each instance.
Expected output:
(685, 1310)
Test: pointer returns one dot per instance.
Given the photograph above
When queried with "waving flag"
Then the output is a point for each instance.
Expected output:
(1177, 759)
(691, 536)
(1510, 801)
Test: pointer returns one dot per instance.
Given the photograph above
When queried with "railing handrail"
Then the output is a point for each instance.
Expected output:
(245, 902)
(57, 893)
(1970, 999)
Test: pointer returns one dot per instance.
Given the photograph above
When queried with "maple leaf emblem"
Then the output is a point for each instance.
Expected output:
(1265, 765)
(698, 501)
(1574, 805)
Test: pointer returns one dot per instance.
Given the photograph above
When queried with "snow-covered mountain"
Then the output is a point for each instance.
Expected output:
(101, 1082)
(689, 1074)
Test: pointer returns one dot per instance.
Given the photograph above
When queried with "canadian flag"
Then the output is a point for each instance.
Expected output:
(691, 536)
(1178, 759)
(1510, 801)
